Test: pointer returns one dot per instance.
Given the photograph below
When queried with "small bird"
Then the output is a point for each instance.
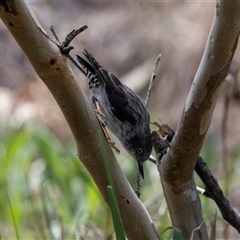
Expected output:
(121, 109)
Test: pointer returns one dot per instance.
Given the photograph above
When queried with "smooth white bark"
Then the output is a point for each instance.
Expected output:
(52, 68)
(178, 165)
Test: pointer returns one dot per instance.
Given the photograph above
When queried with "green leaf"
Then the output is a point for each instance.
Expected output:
(176, 235)
(12, 214)
(117, 221)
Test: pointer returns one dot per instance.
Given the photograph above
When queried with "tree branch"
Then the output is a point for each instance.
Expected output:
(178, 165)
(161, 142)
(52, 68)
(215, 192)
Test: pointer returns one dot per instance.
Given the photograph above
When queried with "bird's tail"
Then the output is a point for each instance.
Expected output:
(85, 64)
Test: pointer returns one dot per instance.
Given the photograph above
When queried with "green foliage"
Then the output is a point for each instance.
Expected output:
(176, 233)
(117, 221)
(47, 193)
(45, 190)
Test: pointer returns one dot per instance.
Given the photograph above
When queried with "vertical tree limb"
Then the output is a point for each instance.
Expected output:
(178, 165)
(52, 68)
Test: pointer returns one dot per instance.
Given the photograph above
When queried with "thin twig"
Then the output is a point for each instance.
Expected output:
(200, 190)
(152, 159)
(64, 46)
(196, 229)
(54, 33)
(214, 191)
(153, 77)
(73, 34)
(137, 189)
(138, 186)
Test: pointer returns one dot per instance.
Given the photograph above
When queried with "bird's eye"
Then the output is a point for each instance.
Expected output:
(139, 151)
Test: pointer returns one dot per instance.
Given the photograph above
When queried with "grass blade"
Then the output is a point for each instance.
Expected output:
(12, 214)
(117, 221)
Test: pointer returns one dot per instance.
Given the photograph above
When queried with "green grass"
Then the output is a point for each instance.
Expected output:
(116, 216)
(46, 192)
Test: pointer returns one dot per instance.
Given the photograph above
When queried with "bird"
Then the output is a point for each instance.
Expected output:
(122, 110)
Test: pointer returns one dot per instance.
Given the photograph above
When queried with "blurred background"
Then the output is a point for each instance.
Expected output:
(45, 190)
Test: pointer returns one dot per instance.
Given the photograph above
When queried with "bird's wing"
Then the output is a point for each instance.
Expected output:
(117, 94)
(118, 98)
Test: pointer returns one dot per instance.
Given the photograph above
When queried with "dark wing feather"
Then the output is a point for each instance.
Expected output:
(115, 90)
(120, 106)
(118, 98)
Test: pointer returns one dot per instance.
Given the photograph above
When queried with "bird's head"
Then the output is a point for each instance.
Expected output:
(140, 147)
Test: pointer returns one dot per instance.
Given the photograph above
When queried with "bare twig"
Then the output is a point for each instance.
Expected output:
(214, 191)
(152, 159)
(200, 190)
(72, 35)
(196, 229)
(138, 186)
(153, 77)
(65, 45)
(54, 33)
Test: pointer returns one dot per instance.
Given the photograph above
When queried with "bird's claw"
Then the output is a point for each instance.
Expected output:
(112, 144)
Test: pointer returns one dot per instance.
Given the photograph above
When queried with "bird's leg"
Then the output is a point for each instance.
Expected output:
(102, 116)
(98, 110)
(112, 144)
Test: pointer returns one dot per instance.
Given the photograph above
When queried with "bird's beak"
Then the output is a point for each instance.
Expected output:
(140, 168)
